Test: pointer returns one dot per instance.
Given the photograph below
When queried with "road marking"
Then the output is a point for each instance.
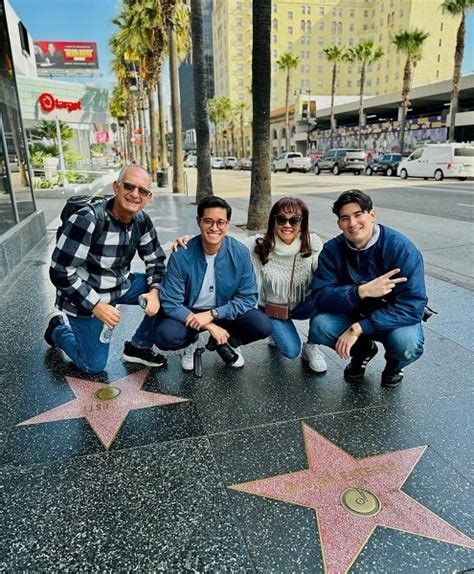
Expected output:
(465, 204)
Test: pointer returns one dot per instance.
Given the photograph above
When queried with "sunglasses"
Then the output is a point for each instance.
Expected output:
(294, 220)
(129, 187)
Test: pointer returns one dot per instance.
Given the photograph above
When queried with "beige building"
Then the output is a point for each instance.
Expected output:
(306, 27)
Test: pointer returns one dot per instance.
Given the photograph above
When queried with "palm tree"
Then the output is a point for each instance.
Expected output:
(220, 110)
(260, 187)
(457, 8)
(334, 54)
(367, 54)
(240, 108)
(204, 178)
(410, 42)
(287, 62)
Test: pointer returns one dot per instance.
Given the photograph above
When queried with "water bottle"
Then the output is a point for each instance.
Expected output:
(106, 333)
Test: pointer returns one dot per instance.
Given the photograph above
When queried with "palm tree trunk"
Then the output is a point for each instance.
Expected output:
(407, 76)
(242, 145)
(287, 110)
(458, 57)
(141, 127)
(153, 133)
(361, 103)
(260, 188)
(333, 92)
(204, 178)
(162, 122)
(178, 167)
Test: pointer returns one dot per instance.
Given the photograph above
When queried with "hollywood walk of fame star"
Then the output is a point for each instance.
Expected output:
(371, 486)
(104, 406)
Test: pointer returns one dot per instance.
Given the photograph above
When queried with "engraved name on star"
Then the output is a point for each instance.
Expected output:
(105, 406)
(352, 497)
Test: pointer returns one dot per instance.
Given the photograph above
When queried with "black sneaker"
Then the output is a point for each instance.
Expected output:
(54, 322)
(392, 376)
(147, 357)
(355, 370)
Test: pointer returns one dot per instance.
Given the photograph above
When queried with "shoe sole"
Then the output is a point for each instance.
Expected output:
(138, 361)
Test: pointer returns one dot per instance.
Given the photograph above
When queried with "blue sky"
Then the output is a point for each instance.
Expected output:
(91, 20)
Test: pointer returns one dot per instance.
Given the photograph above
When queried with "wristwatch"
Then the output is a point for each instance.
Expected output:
(354, 331)
(215, 314)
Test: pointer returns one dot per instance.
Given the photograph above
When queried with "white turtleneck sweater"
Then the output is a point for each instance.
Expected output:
(273, 278)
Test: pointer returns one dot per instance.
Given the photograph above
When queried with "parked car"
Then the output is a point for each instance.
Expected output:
(244, 163)
(217, 163)
(439, 161)
(190, 161)
(386, 164)
(230, 162)
(338, 160)
(291, 161)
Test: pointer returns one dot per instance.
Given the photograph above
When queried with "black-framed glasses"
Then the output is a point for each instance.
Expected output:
(209, 222)
(294, 220)
(129, 187)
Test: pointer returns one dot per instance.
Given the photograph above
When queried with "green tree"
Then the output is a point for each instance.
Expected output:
(366, 54)
(457, 8)
(287, 62)
(204, 177)
(410, 43)
(335, 55)
(47, 129)
(260, 187)
(220, 111)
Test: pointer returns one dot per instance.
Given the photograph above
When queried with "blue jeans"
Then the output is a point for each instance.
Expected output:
(80, 341)
(286, 337)
(402, 346)
(170, 334)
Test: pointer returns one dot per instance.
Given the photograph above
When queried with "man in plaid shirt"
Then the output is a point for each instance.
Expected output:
(92, 277)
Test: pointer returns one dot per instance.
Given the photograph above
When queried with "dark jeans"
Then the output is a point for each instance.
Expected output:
(170, 335)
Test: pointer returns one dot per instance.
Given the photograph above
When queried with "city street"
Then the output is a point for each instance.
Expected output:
(437, 216)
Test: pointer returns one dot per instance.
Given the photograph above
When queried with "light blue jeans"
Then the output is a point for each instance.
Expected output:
(402, 346)
(286, 337)
(80, 341)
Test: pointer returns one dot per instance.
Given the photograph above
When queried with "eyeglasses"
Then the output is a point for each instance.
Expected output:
(129, 187)
(294, 220)
(208, 222)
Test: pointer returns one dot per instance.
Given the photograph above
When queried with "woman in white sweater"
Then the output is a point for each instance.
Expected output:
(284, 259)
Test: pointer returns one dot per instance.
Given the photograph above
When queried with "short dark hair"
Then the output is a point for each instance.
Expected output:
(352, 196)
(213, 201)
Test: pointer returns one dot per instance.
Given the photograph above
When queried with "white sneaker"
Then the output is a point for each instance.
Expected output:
(187, 358)
(315, 357)
(271, 342)
(240, 362)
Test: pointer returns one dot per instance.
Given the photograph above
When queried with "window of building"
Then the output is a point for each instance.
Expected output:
(334, 11)
(437, 73)
(239, 22)
(238, 6)
(339, 27)
(307, 84)
(351, 12)
(239, 38)
(290, 15)
(351, 27)
(334, 27)
(308, 55)
(308, 10)
(302, 54)
(303, 9)
(340, 11)
(349, 83)
(275, 24)
(274, 8)
(239, 68)
(303, 26)
(274, 38)
(25, 45)
(321, 41)
(351, 41)
(365, 27)
(321, 54)
(321, 11)
(439, 58)
(240, 53)
(290, 46)
(441, 27)
(290, 29)
(308, 25)
(440, 43)
(369, 83)
(320, 69)
(320, 83)
(366, 13)
(321, 25)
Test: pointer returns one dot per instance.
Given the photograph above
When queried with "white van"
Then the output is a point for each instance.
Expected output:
(439, 161)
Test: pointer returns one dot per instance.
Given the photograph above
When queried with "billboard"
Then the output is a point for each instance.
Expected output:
(65, 58)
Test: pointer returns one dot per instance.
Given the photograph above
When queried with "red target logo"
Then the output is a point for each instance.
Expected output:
(47, 102)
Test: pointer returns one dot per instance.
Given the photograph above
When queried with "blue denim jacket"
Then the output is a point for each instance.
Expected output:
(236, 286)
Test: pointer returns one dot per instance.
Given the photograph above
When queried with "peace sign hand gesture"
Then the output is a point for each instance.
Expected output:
(381, 286)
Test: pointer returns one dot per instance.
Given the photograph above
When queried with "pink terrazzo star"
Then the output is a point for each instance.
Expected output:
(331, 472)
(105, 416)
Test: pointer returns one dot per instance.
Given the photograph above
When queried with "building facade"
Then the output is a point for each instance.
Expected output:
(21, 225)
(306, 27)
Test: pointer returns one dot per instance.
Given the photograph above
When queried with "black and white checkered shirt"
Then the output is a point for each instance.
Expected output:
(86, 274)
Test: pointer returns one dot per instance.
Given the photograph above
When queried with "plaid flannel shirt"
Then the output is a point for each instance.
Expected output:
(86, 274)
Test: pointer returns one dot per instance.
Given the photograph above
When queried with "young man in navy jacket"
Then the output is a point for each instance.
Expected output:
(369, 286)
(210, 286)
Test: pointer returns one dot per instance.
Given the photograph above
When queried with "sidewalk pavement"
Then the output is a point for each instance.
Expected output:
(268, 468)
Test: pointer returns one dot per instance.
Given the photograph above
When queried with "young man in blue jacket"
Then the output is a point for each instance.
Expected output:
(210, 286)
(369, 286)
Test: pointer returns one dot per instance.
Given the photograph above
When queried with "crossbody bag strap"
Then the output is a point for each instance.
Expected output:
(291, 279)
